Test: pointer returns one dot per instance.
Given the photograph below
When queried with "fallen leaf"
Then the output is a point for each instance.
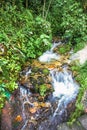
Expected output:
(36, 104)
(18, 118)
(33, 110)
(51, 67)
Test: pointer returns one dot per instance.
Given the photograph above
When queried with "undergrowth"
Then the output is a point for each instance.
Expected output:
(22, 36)
(81, 78)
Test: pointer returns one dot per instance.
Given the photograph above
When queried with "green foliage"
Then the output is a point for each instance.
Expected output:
(69, 20)
(64, 48)
(43, 89)
(82, 79)
(21, 37)
(45, 71)
(79, 46)
(74, 22)
(3, 95)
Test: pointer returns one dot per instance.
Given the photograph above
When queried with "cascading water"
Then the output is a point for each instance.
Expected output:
(65, 91)
(24, 96)
(50, 55)
(65, 88)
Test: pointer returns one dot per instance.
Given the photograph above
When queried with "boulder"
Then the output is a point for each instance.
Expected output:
(75, 126)
(80, 56)
(83, 121)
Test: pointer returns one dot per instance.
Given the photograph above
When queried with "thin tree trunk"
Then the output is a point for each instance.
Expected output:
(14, 1)
(26, 3)
(48, 9)
(44, 8)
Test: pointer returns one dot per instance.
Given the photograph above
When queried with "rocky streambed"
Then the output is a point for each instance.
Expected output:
(46, 95)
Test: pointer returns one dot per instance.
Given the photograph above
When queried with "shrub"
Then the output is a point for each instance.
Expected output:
(21, 37)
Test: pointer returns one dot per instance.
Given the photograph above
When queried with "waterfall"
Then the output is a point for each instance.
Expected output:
(50, 55)
(65, 91)
(65, 87)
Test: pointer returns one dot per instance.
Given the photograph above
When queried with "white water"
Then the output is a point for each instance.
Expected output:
(65, 87)
(50, 55)
(24, 96)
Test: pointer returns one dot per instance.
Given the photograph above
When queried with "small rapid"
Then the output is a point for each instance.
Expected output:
(65, 91)
(50, 55)
(65, 88)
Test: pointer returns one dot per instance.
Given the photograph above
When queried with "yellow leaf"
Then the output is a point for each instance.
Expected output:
(18, 118)
(33, 110)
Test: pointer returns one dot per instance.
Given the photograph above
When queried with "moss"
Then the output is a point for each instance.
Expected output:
(35, 69)
(43, 89)
(45, 71)
(64, 48)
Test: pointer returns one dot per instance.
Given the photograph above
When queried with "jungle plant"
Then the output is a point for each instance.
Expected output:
(64, 48)
(74, 22)
(82, 80)
(24, 37)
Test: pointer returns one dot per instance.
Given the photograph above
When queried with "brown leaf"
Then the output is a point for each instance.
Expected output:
(33, 110)
(36, 104)
(18, 118)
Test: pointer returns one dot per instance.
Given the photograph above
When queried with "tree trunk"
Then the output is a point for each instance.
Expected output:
(26, 3)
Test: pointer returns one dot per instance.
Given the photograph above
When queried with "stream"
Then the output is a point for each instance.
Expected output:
(55, 109)
(46, 95)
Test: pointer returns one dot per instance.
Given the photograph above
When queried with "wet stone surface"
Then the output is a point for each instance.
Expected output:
(83, 121)
(75, 126)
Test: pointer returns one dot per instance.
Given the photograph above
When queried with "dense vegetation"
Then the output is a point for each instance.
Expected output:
(81, 78)
(26, 29)
(21, 37)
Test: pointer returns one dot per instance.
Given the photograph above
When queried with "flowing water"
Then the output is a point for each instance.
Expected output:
(65, 91)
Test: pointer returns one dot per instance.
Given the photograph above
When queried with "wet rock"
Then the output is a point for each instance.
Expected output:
(83, 121)
(84, 101)
(35, 69)
(75, 126)
(6, 123)
(81, 56)
(71, 107)
(63, 127)
(40, 80)
(25, 71)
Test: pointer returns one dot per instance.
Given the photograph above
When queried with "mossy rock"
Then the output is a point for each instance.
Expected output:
(36, 88)
(64, 48)
(40, 80)
(45, 71)
(33, 80)
(35, 69)
(43, 89)
(32, 74)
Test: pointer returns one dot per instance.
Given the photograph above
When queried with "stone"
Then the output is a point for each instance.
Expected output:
(75, 126)
(80, 55)
(6, 123)
(63, 127)
(84, 101)
(83, 121)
